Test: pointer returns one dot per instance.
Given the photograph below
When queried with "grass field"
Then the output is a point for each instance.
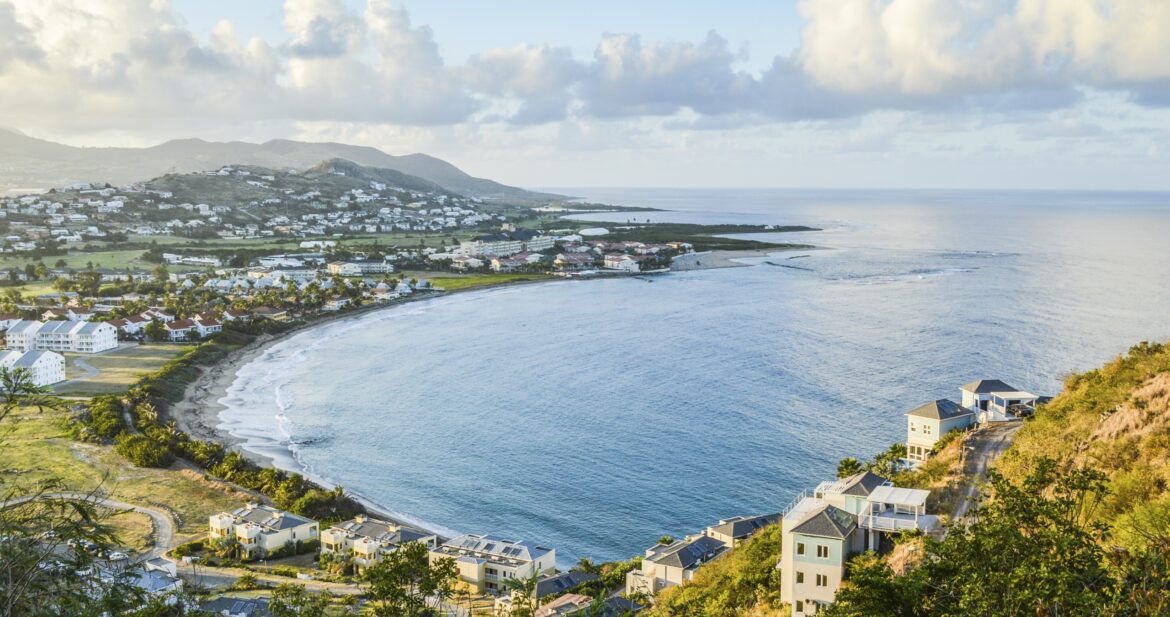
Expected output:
(117, 369)
(452, 281)
(36, 447)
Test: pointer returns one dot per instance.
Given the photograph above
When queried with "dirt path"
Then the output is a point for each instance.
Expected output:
(983, 448)
(163, 536)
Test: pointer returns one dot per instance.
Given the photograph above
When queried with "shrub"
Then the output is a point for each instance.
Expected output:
(144, 452)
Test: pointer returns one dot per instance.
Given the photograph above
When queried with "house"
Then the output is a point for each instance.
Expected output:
(236, 315)
(573, 261)
(267, 312)
(260, 530)
(227, 606)
(842, 518)
(206, 324)
(156, 578)
(43, 367)
(486, 561)
(927, 424)
(180, 329)
(131, 326)
(568, 604)
(548, 585)
(157, 314)
(732, 531)
(69, 314)
(77, 336)
(621, 262)
(995, 401)
(366, 540)
(668, 565)
(335, 304)
(7, 319)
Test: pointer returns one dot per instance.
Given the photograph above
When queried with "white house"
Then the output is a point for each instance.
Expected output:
(995, 401)
(261, 529)
(668, 565)
(926, 424)
(44, 367)
(180, 329)
(621, 262)
(485, 562)
(76, 336)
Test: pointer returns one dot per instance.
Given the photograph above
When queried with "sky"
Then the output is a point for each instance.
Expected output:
(1066, 94)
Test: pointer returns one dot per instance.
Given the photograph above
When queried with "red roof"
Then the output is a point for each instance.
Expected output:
(181, 324)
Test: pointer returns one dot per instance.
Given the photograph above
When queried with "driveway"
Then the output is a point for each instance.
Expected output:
(986, 445)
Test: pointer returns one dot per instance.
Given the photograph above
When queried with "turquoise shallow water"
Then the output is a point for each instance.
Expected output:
(597, 416)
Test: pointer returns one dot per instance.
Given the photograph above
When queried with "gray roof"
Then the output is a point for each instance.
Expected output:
(827, 522)
(862, 484)
(560, 583)
(688, 553)
(497, 546)
(381, 531)
(744, 526)
(151, 581)
(252, 607)
(942, 409)
(265, 516)
(984, 386)
(29, 358)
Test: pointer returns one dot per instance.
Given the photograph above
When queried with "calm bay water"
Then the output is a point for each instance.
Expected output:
(597, 416)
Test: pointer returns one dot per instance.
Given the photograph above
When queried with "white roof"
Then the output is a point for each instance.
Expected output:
(894, 495)
(1014, 395)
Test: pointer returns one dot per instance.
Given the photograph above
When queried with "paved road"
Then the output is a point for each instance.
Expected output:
(160, 520)
(986, 445)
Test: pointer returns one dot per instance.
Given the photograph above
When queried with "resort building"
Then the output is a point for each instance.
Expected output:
(995, 401)
(75, 336)
(507, 243)
(485, 562)
(621, 262)
(733, 531)
(43, 367)
(667, 565)
(366, 540)
(926, 424)
(842, 518)
(261, 529)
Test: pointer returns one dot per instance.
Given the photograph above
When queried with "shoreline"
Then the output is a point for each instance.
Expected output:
(198, 412)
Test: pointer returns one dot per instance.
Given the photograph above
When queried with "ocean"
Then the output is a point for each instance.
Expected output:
(597, 416)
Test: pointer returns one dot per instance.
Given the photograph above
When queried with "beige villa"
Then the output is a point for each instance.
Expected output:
(366, 540)
(486, 562)
(261, 530)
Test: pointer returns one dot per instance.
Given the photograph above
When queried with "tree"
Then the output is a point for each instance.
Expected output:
(156, 332)
(289, 600)
(525, 600)
(1031, 550)
(400, 583)
(848, 467)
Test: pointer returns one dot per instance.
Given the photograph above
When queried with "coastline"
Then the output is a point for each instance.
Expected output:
(198, 412)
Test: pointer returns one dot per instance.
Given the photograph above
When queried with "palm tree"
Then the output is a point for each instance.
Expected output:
(524, 594)
(19, 389)
(586, 565)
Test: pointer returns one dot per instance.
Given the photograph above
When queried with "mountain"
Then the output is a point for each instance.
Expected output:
(28, 162)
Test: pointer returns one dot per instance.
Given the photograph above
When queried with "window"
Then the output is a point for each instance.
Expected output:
(822, 551)
(800, 577)
(799, 606)
(800, 548)
(822, 580)
(913, 427)
(925, 429)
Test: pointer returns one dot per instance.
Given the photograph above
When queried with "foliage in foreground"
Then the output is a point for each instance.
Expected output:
(743, 578)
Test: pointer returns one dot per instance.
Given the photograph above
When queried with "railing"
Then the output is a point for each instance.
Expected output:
(889, 523)
(801, 496)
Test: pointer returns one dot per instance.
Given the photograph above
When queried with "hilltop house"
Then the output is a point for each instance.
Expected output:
(842, 518)
(76, 336)
(44, 367)
(995, 401)
(926, 424)
(667, 565)
(366, 540)
(485, 562)
(260, 530)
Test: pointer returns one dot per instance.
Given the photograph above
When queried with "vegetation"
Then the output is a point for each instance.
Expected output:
(704, 237)
(402, 582)
(743, 579)
(1076, 519)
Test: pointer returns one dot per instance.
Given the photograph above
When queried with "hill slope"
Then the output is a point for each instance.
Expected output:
(27, 162)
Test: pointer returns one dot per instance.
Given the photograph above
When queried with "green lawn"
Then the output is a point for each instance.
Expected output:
(37, 447)
(118, 369)
(452, 282)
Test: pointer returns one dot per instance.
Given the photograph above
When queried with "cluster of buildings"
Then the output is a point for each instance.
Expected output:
(74, 336)
(291, 205)
(261, 530)
(981, 402)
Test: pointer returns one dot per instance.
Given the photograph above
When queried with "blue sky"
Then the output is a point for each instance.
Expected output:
(836, 93)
